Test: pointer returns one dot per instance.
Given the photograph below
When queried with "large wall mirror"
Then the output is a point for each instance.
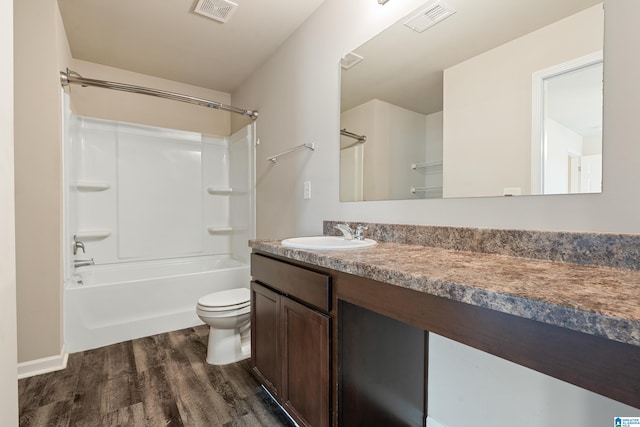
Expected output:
(468, 98)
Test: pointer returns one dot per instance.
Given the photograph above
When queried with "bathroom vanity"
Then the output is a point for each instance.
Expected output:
(290, 352)
(578, 323)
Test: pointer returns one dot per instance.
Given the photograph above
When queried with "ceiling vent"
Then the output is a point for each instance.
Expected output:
(220, 10)
(349, 60)
(437, 11)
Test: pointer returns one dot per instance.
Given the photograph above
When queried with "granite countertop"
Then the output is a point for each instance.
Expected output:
(597, 300)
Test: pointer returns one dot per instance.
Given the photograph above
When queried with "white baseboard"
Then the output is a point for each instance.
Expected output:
(42, 366)
(433, 423)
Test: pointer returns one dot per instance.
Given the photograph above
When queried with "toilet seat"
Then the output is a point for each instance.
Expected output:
(227, 300)
(223, 309)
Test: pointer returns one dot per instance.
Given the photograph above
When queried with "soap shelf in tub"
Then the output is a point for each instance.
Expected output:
(92, 234)
(92, 185)
(222, 229)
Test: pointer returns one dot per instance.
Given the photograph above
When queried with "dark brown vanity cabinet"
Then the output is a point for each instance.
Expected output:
(290, 337)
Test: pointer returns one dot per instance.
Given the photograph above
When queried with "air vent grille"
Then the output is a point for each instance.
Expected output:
(349, 60)
(220, 10)
(434, 13)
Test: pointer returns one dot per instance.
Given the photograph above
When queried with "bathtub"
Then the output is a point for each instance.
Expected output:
(107, 304)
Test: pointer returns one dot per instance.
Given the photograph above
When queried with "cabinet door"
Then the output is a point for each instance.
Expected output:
(305, 349)
(265, 349)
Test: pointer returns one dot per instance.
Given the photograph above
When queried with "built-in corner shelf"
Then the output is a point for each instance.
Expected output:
(434, 192)
(219, 190)
(223, 229)
(92, 234)
(434, 167)
(220, 229)
(92, 185)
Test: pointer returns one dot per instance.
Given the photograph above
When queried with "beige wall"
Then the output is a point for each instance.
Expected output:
(8, 344)
(143, 109)
(487, 104)
(298, 93)
(38, 178)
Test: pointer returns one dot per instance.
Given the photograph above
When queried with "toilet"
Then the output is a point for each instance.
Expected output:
(228, 315)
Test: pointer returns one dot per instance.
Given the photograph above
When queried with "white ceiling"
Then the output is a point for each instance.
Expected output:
(164, 38)
(405, 67)
(574, 99)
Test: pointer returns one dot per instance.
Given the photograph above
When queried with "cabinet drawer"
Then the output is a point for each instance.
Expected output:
(305, 285)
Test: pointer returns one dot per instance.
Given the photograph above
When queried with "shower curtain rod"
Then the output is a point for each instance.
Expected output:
(360, 138)
(71, 77)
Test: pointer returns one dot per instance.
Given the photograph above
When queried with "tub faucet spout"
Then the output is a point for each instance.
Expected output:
(82, 262)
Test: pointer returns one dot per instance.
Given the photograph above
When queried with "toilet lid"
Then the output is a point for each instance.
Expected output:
(230, 298)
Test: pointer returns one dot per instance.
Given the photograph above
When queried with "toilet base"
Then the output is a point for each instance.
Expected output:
(228, 346)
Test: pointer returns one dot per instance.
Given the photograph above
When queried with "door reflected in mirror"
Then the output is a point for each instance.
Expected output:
(501, 98)
(569, 144)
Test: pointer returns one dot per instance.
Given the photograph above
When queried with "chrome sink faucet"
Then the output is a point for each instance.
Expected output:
(347, 232)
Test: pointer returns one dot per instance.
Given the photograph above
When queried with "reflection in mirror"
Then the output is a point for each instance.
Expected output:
(494, 98)
(567, 118)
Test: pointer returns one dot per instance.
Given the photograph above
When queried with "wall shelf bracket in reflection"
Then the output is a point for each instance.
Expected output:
(426, 165)
(429, 192)
(220, 229)
(219, 190)
(311, 146)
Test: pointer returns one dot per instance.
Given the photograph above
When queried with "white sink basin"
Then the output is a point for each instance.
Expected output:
(327, 243)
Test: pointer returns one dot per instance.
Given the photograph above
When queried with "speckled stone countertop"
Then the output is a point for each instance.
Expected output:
(597, 300)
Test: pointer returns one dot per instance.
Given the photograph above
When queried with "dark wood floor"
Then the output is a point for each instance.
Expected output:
(161, 380)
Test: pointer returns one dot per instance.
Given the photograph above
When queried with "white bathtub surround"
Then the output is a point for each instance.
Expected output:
(164, 214)
(139, 192)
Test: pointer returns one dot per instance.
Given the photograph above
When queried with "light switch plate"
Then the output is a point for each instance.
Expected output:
(307, 190)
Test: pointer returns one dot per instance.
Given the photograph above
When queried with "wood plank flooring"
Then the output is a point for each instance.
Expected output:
(162, 380)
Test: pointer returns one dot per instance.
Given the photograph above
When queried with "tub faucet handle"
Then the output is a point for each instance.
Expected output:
(77, 245)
